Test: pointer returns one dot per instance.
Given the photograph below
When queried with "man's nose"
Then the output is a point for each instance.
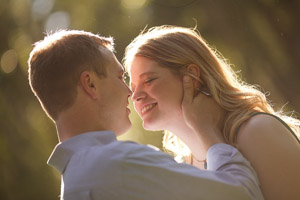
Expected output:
(129, 91)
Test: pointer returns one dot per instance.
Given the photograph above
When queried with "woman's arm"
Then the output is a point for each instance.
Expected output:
(275, 155)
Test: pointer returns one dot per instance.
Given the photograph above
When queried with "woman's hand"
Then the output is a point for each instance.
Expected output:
(202, 114)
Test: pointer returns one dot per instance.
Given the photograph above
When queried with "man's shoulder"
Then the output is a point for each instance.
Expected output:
(116, 152)
(120, 153)
(104, 162)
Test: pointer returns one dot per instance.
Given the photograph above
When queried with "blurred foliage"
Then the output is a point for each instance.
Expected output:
(261, 39)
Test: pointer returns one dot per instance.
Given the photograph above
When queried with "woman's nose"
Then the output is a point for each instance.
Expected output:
(138, 95)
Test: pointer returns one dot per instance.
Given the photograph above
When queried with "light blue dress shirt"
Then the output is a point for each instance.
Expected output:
(96, 165)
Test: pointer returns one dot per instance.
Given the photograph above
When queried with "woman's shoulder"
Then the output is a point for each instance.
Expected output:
(273, 152)
(266, 129)
(263, 121)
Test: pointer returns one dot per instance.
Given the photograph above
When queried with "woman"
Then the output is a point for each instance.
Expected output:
(157, 61)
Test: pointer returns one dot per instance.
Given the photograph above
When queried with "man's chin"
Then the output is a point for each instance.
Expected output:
(124, 128)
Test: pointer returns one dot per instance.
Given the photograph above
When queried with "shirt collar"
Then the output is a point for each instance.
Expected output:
(63, 151)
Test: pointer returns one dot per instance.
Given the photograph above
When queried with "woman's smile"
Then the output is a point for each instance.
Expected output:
(147, 108)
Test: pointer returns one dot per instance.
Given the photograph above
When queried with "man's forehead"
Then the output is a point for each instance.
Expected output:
(113, 63)
(105, 52)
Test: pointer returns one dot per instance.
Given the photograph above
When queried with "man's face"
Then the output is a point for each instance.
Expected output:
(114, 94)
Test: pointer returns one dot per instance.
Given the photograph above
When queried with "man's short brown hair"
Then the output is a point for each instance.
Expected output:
(55, 65)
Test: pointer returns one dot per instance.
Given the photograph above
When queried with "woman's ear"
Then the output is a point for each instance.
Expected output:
(194, 71)
(87, 82)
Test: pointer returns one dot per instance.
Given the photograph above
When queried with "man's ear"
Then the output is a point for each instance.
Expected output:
(87, 82)
(194, 71)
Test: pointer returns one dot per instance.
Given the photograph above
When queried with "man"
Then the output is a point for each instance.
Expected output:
(79, 83)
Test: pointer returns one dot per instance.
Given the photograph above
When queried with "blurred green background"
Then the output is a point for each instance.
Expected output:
(261, 39)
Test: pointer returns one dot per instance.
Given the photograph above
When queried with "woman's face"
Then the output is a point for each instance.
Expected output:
(157, 94)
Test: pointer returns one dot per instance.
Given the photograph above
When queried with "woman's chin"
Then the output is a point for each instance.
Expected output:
(151, 126)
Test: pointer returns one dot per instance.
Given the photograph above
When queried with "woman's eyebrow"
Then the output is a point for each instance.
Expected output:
(147, 73)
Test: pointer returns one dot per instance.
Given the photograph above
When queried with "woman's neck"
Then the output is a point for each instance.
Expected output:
(197, 143)
(190, 138)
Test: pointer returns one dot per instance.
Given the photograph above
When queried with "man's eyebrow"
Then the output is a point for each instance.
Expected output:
(121, 70)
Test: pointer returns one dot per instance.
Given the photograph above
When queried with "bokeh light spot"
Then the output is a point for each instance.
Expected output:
(133, 4)
(9, 61)
(41, 8)
(58, 20)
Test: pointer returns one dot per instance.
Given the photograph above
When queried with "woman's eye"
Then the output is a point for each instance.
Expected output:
(149, 80)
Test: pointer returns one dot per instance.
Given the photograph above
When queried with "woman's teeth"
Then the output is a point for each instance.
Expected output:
(148, 107)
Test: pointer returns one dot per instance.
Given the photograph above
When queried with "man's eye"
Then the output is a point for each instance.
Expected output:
(123, 77)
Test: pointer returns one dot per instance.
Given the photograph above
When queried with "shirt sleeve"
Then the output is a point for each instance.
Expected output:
(150, 174)
(226, 158)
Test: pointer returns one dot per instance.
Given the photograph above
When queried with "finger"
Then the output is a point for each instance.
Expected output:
(188, 90)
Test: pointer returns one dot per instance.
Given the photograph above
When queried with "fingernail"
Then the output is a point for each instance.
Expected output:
(186, 79)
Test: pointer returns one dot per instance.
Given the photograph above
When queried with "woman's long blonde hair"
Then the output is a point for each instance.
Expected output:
(175, 48)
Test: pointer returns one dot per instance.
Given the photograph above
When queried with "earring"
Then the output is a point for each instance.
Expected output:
(203, 92)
